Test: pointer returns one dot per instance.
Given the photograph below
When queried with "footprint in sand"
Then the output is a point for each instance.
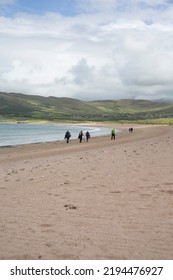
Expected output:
(45, 225)
(66, 182)
(115, 192)
(21, 169)
(48, 245)
(167, 191)
(168, 184)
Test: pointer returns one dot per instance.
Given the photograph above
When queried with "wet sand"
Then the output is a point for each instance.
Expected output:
(105, 199)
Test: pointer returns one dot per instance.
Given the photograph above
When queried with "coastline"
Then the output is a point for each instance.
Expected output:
(60, 146)
(103, 199)
(31, 133)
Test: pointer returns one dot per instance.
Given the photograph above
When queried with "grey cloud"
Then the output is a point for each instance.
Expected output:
(82, 73)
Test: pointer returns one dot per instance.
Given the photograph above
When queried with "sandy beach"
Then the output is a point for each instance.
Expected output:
(105, 199)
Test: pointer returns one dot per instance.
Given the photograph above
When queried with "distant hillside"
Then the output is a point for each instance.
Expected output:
(28, 107)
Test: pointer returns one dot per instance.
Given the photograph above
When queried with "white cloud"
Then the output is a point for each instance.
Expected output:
(6, 2)
(97, 5)
(119, 5)
(150, 2)
(89, 56)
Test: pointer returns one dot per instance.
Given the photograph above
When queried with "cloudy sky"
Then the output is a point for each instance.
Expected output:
(87, 49)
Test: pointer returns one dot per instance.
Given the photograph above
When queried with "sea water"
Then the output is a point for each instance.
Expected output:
(12, 134)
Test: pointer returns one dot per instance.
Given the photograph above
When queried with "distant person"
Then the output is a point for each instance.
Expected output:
(131, 129)
(67, 136)
(80, 136)
(113, 134)
(87, 135)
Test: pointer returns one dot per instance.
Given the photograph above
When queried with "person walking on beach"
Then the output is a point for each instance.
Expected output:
(67, 136)
(80, 136)
(113, 134)
(131, 129)
(87, 135)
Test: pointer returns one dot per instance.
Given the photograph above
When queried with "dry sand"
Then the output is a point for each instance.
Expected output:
(98, 200)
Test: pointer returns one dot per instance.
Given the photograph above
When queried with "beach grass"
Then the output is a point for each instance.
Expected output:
(156, 121)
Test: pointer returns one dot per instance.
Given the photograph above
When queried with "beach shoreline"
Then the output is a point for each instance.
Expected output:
(122, 135)
(102, 199)
(13, 135)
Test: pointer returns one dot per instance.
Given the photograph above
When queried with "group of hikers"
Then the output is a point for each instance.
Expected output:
(80, 136)
(87, 135)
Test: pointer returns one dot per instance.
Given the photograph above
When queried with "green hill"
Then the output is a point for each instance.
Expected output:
(19, 106)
